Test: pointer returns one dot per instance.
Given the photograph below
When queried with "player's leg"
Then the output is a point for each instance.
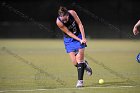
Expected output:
(80, 55)
(88, 69)
(73, 58)
(80, 67)
(80, 58)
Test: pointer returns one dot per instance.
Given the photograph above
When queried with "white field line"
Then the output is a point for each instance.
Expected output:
(29, 90)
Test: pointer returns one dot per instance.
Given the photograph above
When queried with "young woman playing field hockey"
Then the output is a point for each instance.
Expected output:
(74, 40)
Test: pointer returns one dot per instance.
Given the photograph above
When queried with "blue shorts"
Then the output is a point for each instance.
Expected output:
(72, 45)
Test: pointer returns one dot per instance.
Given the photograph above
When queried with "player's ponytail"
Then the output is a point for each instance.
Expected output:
(62, 11)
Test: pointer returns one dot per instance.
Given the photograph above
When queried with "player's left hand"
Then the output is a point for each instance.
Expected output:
(84, 41)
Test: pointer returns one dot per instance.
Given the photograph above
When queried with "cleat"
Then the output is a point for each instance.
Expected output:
(88, 69)
(79, 83)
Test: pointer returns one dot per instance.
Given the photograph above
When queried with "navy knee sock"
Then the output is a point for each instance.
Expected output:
(80, 69)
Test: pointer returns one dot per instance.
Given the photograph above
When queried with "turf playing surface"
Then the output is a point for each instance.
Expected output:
(42, 66)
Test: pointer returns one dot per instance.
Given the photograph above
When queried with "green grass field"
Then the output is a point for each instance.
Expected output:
(42, 66)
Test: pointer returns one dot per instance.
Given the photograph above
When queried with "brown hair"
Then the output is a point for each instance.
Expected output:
(62, 11)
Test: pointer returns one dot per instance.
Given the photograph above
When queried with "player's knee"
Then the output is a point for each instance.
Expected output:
(74, 62)
(79, 58)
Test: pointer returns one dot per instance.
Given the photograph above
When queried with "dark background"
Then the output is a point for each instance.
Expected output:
(101, 18)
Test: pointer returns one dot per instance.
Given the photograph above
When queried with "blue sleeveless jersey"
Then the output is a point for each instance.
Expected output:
(72, 45)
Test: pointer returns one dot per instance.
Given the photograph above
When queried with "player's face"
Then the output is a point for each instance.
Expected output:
(65, 18)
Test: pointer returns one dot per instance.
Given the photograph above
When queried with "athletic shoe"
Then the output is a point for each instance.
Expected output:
(88, 69)
(79, 83)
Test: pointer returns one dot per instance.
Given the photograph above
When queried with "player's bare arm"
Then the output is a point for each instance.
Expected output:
(65, 30)
(135, 29)
(77, 19)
